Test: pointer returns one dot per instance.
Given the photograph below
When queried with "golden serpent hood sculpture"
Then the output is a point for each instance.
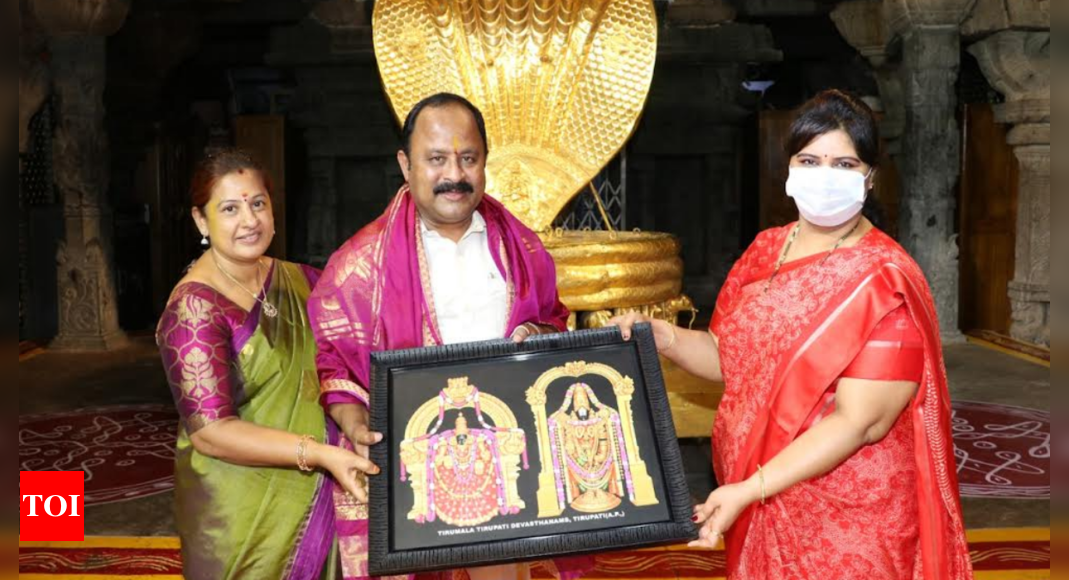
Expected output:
(562, 83)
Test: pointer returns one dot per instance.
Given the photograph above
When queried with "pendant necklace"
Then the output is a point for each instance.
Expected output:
(270, 310)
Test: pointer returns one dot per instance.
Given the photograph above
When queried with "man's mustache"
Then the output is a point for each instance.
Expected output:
(453, 187)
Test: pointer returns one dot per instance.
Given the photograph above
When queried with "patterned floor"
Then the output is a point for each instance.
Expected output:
(1002, 452)
(128, 452)
(1019, 554)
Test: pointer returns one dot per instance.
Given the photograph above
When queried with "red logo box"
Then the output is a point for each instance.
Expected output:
(52, 506)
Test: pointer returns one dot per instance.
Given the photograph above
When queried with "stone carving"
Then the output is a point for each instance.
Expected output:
(88, 316)
(1030, 321)
(80, 144)
(81, 17)
(78, 287)
(1017, 63)
(994, 15)
(929, 162)
(905, 15)
(863, 25)
(88, 319)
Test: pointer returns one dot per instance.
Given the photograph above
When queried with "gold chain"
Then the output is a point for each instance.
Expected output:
(790, 243)
(269, 309)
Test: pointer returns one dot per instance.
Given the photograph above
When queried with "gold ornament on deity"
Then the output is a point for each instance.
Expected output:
(553, 492)
(459, 448)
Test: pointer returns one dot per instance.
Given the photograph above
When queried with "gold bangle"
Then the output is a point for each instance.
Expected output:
(675, 339)
(761, 478)
(302, 453)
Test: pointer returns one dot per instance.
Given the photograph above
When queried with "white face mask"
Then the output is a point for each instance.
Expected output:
(827, 197)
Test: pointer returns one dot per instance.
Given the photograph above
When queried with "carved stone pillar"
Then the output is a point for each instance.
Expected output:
(931, 143)
(992, 16)
(930, 163)
(88, 316)
(863, 25)
(1017, 64)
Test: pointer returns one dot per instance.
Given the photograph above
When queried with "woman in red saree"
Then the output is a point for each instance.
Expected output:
(832, 442)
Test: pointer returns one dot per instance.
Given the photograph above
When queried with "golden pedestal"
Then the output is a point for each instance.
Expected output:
(599, 270)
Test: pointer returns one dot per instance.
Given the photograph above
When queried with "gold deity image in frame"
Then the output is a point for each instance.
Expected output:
(471, 433)
(465, 475)
(588, 450)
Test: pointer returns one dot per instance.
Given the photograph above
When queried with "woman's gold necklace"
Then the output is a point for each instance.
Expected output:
(790, 242)
(268, 309)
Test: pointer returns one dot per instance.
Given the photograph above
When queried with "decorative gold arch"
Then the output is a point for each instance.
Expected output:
(460, 394)
(624, 388)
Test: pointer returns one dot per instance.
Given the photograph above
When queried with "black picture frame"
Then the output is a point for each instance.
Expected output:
(399, 544)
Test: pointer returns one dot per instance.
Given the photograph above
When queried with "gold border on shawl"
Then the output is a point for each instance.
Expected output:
(430, 326)
(510, 284)
(344, 386)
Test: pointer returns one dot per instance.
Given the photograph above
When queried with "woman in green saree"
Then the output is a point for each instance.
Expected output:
(254, 446)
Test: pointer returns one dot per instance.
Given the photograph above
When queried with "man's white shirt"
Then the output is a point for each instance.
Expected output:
(470, 295)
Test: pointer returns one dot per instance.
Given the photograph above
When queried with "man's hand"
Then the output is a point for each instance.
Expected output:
(349, 469)
(353, 420)
(529, 329)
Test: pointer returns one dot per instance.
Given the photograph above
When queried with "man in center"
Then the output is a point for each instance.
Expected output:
(444, 264)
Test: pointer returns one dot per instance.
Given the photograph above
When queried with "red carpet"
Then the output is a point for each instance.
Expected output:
(125, 452)
(1009, 554)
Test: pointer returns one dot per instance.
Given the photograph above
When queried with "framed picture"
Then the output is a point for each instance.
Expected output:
(496, 452)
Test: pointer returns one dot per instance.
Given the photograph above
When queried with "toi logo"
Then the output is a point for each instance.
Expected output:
(52, 504)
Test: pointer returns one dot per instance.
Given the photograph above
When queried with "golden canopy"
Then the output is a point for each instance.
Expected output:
(561, 83)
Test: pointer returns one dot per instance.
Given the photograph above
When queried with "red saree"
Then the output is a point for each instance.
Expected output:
(892, 511)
